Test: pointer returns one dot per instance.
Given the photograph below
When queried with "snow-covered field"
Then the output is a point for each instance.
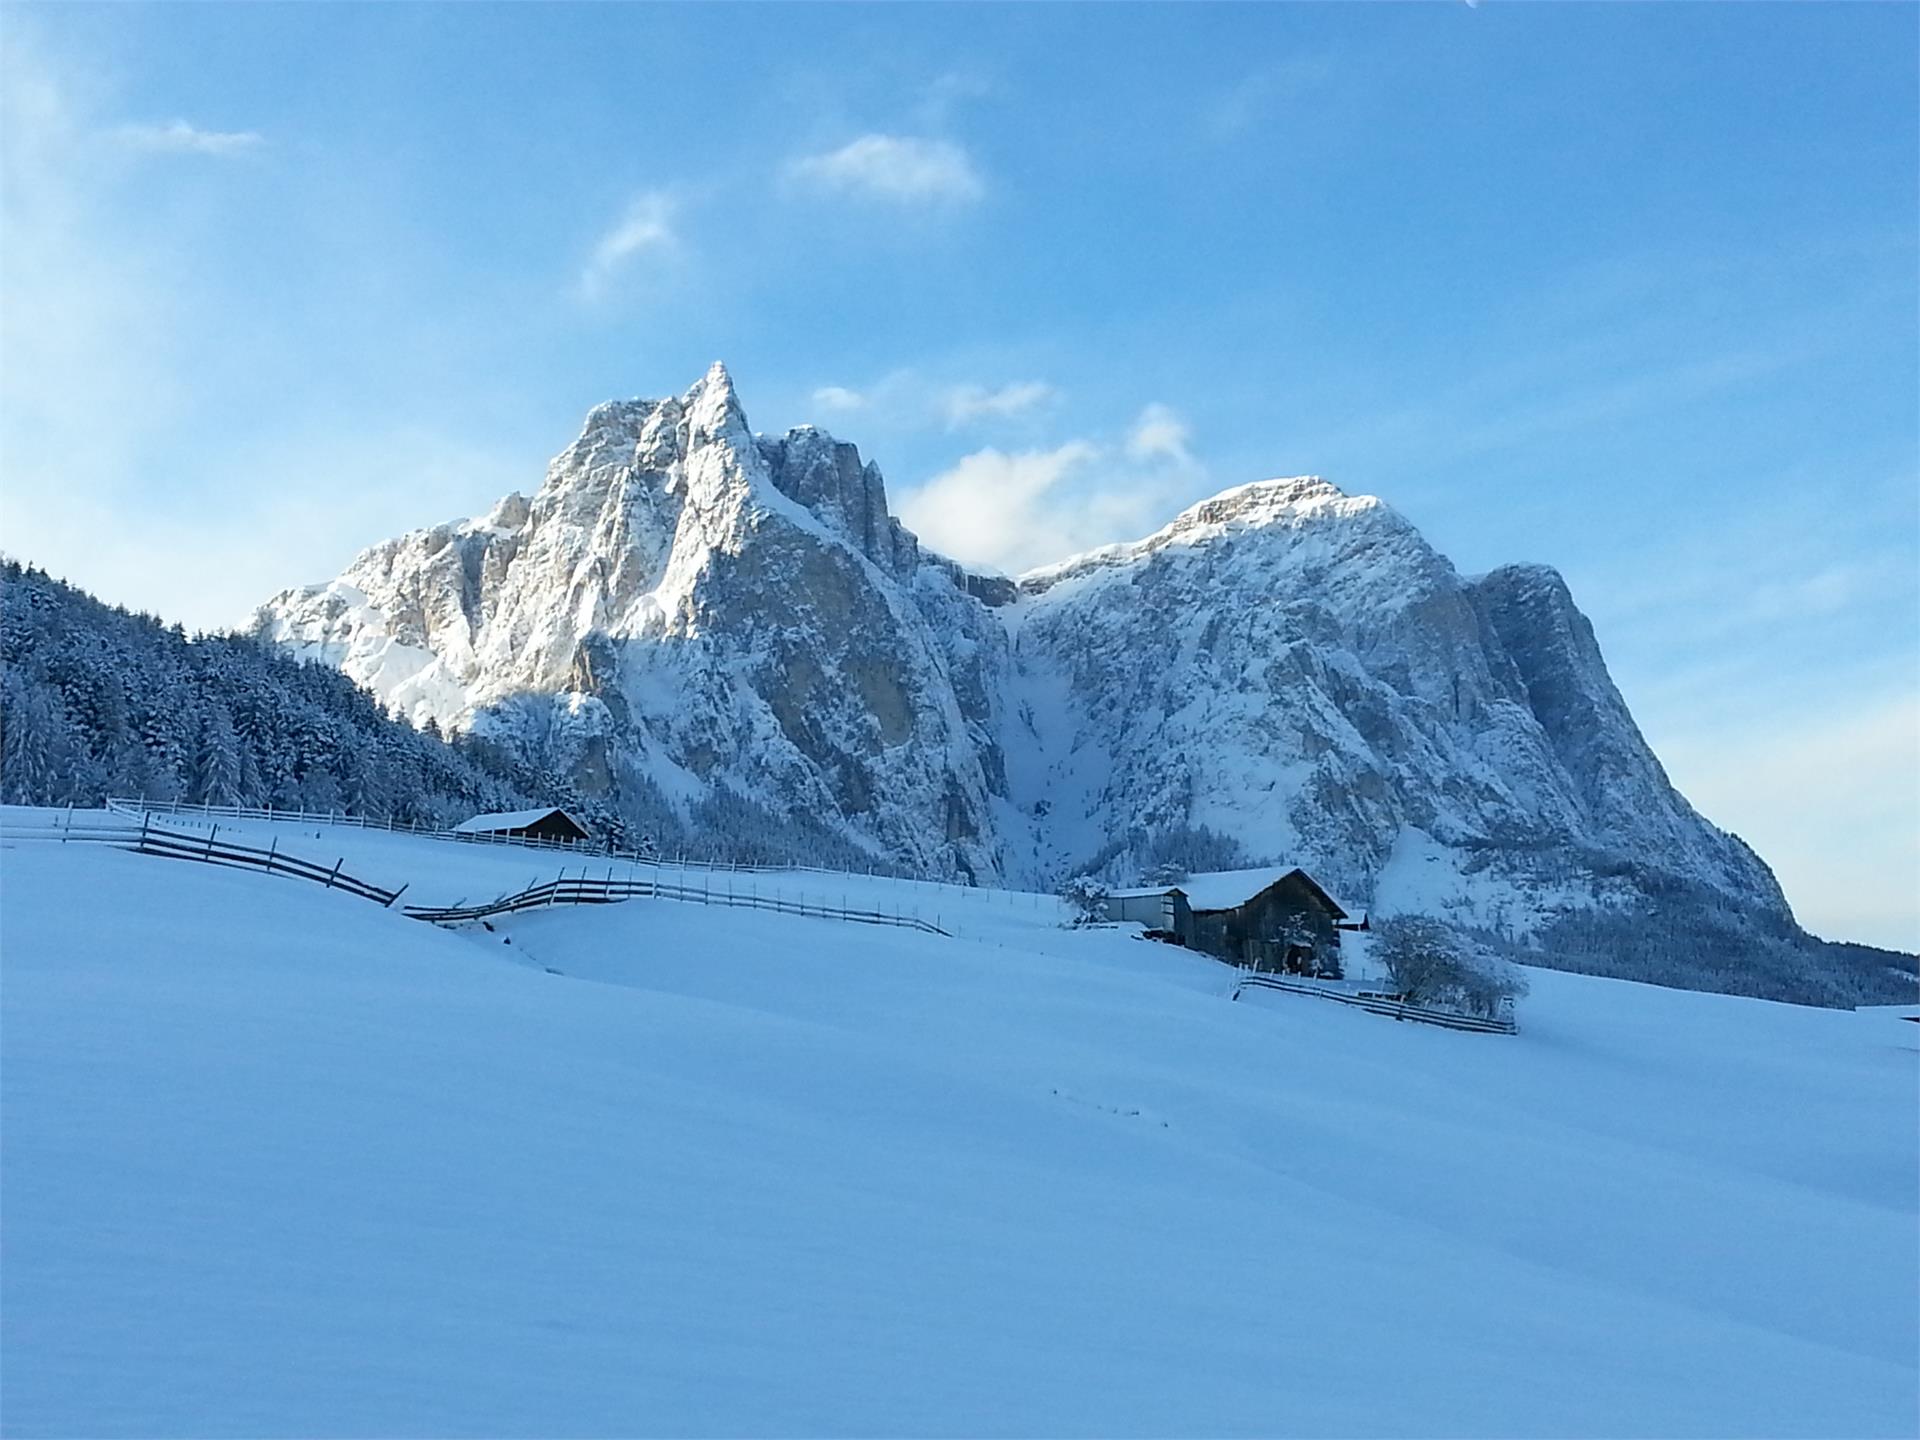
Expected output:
(274, 1161)
(440, 871)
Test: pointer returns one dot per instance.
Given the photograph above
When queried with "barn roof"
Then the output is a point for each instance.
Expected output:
(513, 820)
(1230, 889)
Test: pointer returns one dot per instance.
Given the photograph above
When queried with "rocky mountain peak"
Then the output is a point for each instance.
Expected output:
(1286, 500)
(1263, 505)
(689, 616)
(510, 512)
(713, 410)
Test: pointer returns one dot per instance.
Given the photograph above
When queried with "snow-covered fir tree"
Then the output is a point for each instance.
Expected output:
(101, 702)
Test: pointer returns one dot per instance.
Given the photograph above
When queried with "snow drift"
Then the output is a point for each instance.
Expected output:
(280, 1162)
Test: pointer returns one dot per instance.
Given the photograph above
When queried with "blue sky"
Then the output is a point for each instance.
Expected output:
(1627, 289)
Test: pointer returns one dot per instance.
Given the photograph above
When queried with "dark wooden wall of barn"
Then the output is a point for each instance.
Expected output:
(1253, 934)
(549, 827)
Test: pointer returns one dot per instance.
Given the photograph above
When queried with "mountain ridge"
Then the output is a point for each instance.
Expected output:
(688, 613)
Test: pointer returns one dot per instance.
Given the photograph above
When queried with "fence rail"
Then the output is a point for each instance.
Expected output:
(150, 839)
(586, 890)
(1376, 1005)
(125, 805)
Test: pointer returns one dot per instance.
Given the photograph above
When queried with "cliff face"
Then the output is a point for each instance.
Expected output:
(708, 609)
(686, 607)
(1298, 669)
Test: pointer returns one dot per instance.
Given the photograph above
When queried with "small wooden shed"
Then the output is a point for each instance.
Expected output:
(550, 824)
(1158, 907)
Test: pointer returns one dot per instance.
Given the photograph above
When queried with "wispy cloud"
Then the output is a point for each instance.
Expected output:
(901, 169)
(120, 380)
(647, 226)
(909, 400)
(966, 404)
(92, 328)
(838, 397)
(1160, 434)
(947, 92)
(178, 137)
(1255, 96)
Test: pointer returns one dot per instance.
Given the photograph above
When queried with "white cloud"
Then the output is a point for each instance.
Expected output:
(177, 137)
(899, 168)
(1160, 434)
(998, 509)
(646, 226)
(967, 403)
(1017, 511)
(838, 397)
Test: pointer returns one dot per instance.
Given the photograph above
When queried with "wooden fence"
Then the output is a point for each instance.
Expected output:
(584, 889)
(1380, 1005)
(125, 805)
(134, 808)
(150, 839)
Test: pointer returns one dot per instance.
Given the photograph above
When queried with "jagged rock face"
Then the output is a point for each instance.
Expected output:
(825, 476)
(1287, 665)
(712, 609)
(1619, 788)
(1284, 664)
(1299, 669)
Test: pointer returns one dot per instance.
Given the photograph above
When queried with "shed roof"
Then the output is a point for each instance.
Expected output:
(513, 820)
(1229, 889)
(1145, 892)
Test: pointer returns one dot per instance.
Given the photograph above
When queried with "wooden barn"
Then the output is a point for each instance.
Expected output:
(1268, 919)
(550, 824)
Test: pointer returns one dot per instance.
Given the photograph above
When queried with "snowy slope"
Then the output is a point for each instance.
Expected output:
(687, 611)
(280, 1162)
(439, 871)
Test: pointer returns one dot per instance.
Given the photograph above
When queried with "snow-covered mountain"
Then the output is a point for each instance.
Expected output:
(686, 611)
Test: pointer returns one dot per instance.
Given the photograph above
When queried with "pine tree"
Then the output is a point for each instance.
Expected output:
(217, 773)
(27, 761)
